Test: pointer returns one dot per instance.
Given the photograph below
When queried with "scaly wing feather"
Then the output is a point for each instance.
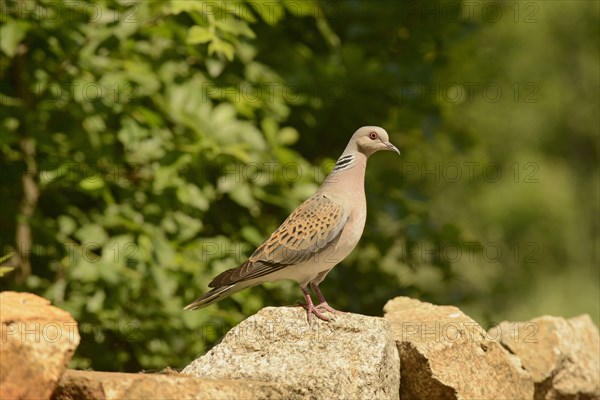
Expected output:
(313, 226)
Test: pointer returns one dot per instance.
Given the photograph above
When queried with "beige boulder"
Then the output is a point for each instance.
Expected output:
(92, 385)
(444, 354)
(562, 355)
(38, 341)
(353, 357)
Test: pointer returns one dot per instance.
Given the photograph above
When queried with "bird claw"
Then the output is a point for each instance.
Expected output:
(311, 309)
(326, 307)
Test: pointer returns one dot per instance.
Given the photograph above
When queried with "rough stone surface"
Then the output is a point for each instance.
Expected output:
(38, 340)
(92, 385)
(446, 355)
(353, 357)
(562, 355)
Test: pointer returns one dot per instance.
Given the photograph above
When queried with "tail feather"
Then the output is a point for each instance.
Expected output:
(213, 296)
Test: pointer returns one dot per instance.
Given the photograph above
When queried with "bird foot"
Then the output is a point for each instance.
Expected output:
(311, 309)
(326, 307)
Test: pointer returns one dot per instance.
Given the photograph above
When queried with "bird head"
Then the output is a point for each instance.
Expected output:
(371, 139)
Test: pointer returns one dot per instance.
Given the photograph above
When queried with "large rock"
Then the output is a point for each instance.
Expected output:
(353, 357)
(562, 355)
(446, 355)
(38, 340)
(92, 385)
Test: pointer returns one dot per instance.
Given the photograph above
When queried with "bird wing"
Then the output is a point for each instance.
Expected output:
(314, 225)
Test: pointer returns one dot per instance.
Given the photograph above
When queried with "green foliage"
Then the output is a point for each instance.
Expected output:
(5, 270)
(170, 138)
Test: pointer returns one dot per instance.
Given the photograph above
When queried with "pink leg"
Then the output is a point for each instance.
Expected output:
(310, 307)
(322, 302)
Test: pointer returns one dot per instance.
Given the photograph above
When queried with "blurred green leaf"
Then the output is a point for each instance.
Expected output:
(200, 34)
(221, 47)
(235, 27)
(11, 34)
(5, 270)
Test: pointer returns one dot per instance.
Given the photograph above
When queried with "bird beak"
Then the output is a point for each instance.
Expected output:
(391, 147)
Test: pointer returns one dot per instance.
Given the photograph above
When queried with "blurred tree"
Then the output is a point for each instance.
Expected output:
(143, 129)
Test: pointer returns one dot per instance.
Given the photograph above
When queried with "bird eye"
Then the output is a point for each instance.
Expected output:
(373, 135)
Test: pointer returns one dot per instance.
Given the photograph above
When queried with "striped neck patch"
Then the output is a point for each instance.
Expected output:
(344, 162)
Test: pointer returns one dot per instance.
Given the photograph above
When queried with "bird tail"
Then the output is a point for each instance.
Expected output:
(213, 296)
